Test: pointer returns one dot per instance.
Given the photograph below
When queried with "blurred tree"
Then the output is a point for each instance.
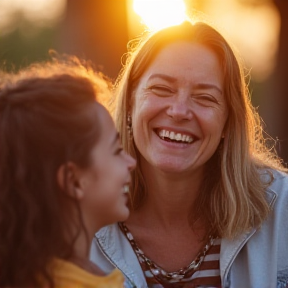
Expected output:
(27, 31)
(95, 30)
(279, 92)
(273, 107)
(17, 50)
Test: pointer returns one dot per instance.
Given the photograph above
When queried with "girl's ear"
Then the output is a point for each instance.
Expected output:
(68, 179)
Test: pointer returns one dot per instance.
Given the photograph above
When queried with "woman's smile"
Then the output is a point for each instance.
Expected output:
(179, 110)
(174, 136)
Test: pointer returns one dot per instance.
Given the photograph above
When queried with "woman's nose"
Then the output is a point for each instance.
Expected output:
(179, 108)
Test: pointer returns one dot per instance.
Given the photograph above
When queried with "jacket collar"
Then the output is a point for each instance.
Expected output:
(118, 250)
(231, 247)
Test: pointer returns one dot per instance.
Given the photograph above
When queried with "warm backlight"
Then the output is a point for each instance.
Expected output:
(157, 14)
(38, 12)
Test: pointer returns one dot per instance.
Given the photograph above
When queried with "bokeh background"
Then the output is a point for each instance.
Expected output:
(98, 30)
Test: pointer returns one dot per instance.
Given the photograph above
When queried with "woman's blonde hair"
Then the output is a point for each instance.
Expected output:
(233, 199)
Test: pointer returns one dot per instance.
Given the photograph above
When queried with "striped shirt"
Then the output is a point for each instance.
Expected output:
(207, 275)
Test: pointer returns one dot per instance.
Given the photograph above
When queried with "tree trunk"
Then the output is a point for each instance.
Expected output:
(280, 83)
(95, 30)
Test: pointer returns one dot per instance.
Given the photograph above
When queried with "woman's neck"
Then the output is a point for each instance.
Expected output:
(170, 197)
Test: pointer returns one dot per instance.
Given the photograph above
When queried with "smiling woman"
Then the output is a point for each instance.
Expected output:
(187, 80)
(206, 192)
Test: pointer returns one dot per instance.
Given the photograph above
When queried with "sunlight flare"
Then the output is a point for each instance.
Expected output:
(158, 14)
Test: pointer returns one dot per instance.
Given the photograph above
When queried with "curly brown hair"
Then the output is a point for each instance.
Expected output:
(48, 116)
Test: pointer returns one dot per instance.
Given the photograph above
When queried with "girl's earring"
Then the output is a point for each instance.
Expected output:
(129, 126)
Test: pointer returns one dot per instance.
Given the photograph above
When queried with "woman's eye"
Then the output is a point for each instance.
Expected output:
(205, 98)
(161, 90)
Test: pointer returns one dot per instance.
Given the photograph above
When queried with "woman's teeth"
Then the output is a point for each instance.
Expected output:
(175, 136)
(125, 189)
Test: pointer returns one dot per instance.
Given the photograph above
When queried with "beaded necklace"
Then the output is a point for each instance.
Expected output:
(158, 272)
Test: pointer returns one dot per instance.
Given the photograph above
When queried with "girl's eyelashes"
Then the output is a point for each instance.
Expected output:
(118, 150)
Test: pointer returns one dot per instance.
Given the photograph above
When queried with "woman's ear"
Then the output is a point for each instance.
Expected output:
(68, 179)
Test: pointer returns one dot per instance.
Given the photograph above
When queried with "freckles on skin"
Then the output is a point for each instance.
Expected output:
(181, 92)
(143, 100)
(140, 102)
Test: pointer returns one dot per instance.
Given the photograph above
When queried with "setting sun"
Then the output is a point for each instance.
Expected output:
(157, 14)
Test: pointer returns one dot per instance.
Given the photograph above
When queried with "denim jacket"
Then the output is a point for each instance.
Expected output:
(256, 259)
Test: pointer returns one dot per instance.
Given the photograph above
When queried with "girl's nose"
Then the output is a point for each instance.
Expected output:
(131, 162)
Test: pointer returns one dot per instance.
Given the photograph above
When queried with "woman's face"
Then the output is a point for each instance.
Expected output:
(179, 109)
(105, 181)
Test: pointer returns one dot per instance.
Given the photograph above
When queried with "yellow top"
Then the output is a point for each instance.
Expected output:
(68, 275)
